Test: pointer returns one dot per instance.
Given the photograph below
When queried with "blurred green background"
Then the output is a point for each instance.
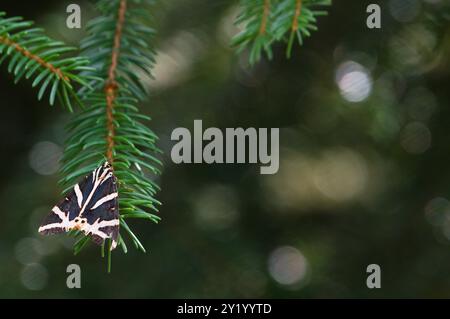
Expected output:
(364, 175)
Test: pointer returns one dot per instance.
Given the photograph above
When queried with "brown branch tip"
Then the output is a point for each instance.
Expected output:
(111, 85)
(298, 10)
(266, 10)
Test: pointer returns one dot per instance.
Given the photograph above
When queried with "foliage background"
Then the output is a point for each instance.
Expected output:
(359, 183)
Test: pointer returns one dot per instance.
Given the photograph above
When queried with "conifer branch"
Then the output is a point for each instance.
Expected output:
(57, 71)
(268, 21)
(257, 17)
(111, 126)
(32, 54)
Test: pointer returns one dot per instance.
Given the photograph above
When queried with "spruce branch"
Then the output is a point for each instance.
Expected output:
(34, 55)
(111, 127)
(269, 21)
(257, 16)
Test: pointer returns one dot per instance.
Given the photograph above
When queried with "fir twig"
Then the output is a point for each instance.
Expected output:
(111, 126)
(268, 21)
(257, 17)
(32, 54)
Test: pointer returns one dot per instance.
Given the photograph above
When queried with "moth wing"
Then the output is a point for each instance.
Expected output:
(102, 212)
(93, 200)
(61, 215)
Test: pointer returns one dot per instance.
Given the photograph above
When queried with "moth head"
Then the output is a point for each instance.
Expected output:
(80, 223)
(105, 169)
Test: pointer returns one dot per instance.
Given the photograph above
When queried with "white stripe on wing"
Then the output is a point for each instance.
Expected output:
(79, 195)
(105, 199)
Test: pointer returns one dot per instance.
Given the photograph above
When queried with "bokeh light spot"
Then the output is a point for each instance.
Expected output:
(341, 175)
(216, 207)
(34, 277)
(413, 49)
(404, 10)
(436, 210)
(421, 104)
(415, 138)
(44, 158)
(287, 265)
(354, 81)
(28, 250)
(175, 59)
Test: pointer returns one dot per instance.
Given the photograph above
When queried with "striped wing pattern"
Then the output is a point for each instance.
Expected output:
(90, 207)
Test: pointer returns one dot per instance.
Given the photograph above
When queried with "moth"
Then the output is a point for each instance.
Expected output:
(90, 207)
